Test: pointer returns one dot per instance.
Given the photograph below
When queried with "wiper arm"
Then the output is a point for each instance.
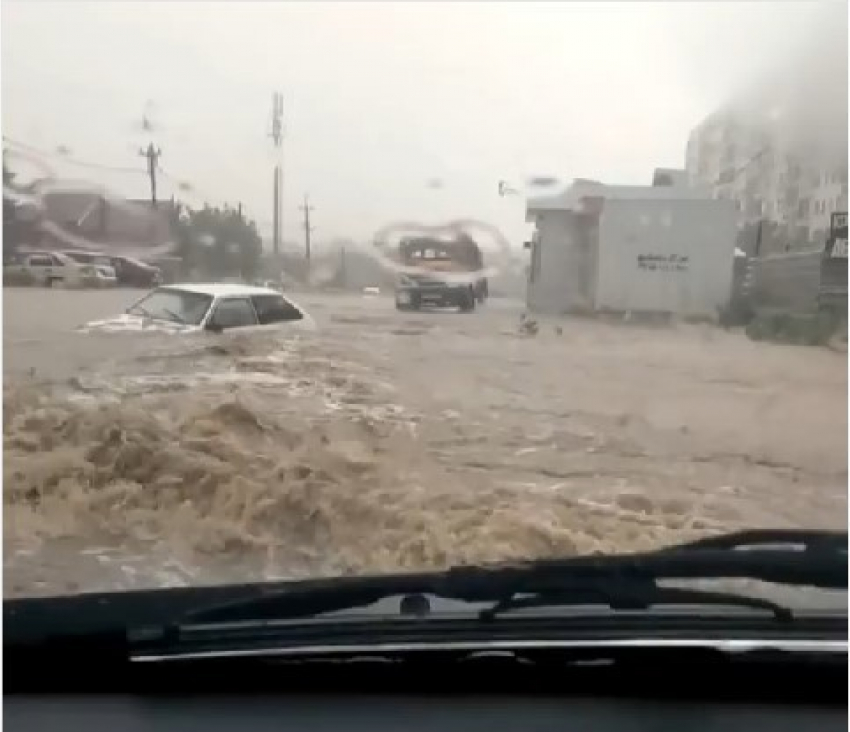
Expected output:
(633, 596)
(615, 579)
(174, 316)
(806, 539)
(821, 563)
(138, 308)
(799, 557)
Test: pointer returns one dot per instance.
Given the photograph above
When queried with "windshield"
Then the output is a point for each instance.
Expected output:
(81, 257)
(178, 306)
(559, 279)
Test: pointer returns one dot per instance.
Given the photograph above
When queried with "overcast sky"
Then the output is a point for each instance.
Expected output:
(382, 98)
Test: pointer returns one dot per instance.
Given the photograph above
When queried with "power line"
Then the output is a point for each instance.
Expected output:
(186, 186)
(182, 184)
(67, 158)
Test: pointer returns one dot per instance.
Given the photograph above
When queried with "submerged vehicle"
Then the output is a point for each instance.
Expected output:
(440, 273)
(194, 308)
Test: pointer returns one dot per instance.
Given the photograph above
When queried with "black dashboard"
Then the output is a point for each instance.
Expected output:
(645, 690)
(651, 672)
(409, 713)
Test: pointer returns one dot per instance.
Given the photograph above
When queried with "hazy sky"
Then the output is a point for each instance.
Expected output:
(381, 98)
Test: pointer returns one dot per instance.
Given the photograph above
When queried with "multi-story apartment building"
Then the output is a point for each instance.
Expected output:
(788, 197)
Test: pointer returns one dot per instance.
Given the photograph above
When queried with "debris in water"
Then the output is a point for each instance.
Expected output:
(527, 325)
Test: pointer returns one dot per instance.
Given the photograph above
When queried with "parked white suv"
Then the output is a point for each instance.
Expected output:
(54, 268)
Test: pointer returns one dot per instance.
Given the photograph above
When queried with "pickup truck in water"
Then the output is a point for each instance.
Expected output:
(440, 273)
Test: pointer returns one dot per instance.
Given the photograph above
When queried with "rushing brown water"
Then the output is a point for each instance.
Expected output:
(393, 441)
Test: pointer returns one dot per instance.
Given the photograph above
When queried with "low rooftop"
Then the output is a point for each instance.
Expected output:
(574, 196)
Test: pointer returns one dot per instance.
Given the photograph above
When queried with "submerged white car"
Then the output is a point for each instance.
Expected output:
(215, 308)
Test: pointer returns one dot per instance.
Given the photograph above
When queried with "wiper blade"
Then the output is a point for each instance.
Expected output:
(633, 596)
(173, 316)
(140, 310)
(823, 553)
(805, 539)
(615, 580)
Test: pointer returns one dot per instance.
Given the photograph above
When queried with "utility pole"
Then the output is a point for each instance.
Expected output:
(306, 208)
(277, 138)
(152, 154)
(343, 269)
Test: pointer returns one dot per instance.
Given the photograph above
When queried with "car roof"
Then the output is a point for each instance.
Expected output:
(222, 289)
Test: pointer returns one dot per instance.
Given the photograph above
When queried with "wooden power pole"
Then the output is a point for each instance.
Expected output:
(152, 154)
(277, 138)
(307, 208)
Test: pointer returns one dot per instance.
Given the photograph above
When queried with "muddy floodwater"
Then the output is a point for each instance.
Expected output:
(392, 440)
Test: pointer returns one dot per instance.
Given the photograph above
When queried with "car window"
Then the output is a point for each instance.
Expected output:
(234, 313)
(275, 309)
(40, 260)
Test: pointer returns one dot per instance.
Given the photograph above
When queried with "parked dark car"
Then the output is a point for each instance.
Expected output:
(134, 273)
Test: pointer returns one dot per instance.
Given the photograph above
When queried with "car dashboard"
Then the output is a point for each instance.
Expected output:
(412, 713)
(657, 690)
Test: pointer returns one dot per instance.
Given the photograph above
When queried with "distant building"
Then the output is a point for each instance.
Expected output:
(735, 155)
(100, 222)
(671, 177)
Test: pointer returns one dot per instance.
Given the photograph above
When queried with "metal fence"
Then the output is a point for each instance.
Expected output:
(801, 281)
(788, 281)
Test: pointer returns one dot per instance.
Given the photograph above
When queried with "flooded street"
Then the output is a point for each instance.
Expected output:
(394, 440)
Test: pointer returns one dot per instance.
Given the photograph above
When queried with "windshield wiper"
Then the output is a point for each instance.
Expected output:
(173, 316)
(141, 311)
(804, 539)
(625, 595)
(814, 559)
(645, 592)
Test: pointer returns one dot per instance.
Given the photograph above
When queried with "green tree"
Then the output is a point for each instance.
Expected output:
(11, 233)
(218, 241)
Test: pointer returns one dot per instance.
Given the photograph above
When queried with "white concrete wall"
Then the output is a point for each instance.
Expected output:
(671, 256)
(561, 282)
